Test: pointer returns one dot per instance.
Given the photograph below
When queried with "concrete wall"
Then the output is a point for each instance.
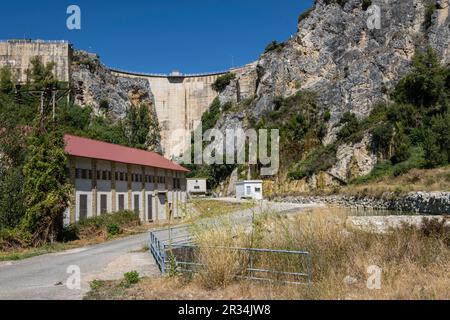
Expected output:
(17, 55)
(182, 100)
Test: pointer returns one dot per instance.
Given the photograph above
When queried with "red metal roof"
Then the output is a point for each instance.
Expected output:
(88, 148)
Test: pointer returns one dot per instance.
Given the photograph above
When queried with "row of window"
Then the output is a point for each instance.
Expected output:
(83, 200)
(85, 174)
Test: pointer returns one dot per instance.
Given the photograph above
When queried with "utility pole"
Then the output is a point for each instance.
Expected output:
(54, 94)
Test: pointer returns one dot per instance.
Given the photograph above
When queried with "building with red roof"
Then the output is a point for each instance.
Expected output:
(109, 178)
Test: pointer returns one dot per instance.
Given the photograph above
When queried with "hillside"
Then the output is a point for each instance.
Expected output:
(321, 87)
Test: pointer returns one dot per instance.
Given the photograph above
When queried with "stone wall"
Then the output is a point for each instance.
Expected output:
(17, 55)
(413, 202)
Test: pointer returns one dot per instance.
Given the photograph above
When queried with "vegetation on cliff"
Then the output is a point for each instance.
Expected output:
(410, 131)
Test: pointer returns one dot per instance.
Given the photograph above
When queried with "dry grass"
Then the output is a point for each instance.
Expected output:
(415, 180)
(415, 264)
(206, 208)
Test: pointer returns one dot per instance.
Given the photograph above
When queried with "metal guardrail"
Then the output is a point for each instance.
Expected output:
(169, 75)
(174, 252)
(163, 239)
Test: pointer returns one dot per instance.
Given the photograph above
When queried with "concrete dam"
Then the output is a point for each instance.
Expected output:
(179, 99)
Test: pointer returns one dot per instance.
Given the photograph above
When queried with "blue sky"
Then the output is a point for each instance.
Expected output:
(159, 36)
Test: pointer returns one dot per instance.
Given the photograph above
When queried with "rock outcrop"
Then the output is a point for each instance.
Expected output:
(95, 84)
(351, 66)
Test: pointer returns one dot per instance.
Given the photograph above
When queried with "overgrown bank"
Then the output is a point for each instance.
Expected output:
(414, 262)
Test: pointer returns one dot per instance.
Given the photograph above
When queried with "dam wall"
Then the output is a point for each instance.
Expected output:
(181, 100)
(17, 55)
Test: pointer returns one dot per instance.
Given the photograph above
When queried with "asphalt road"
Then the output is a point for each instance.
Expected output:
(46, 276)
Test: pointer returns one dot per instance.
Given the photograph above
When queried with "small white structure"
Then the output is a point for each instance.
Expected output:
(196, 186)
(249, 189)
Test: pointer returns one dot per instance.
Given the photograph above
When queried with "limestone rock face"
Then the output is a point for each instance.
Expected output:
(350, 66)
(353, 160)
(94, 83)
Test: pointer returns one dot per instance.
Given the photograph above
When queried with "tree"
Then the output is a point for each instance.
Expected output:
(46, 187)
(138, 126)
(40, 74)
(381, 138)
(11, 196)
(6, 81)
(425, 85)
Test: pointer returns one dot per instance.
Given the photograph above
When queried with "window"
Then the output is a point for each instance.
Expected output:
(90, 174)
(249, 190)
(116, 176)
(103, 203)
(77, 173)
(84, 174)
(121, 176)
(137, 208)
(121, 202)
(104, 175)
(99, 175)
(257, 189)
(149, 208)
(196, 187)
(83, 206)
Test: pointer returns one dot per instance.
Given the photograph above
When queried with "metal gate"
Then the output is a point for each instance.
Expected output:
(174, 251)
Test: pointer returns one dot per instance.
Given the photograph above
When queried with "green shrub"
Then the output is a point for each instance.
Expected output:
(350, 127)
(320, 159)
(381, 137)
(305, 14)
(111, 223)
(113, 229)
(366, 4)
(96, 284)
(429, 12)
(223, 81)
(274, 46)
(131, 277)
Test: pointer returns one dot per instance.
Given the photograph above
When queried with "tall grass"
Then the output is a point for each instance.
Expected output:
(415, 262)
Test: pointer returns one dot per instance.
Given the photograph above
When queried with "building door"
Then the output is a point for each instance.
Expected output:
(150, 208)
(162, 207)
(137, 208)
(121, 202)
(103, 203)
(83, 206)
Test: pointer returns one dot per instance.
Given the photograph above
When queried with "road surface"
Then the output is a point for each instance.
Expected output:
(45, 277)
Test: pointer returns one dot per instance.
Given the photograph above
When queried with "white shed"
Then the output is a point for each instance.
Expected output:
(249, 189)
(196, 186)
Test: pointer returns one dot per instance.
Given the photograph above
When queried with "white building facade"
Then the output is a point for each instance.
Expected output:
(197, 187)
(249, 189)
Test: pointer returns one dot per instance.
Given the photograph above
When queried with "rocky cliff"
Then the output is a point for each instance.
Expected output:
(348, 65)
(96, 86)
